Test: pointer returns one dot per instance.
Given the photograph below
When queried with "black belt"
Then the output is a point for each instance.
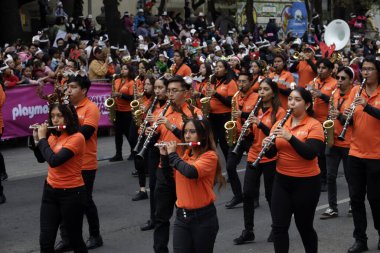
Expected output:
(64, 189)
(183, 212)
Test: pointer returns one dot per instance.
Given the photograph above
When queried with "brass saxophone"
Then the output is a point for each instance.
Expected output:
(231, 126)
(328, 125)
(135, 105)
(110, 103)
(206, 106)
(313, 86)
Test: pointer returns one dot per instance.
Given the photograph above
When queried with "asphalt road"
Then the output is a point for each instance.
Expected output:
(120, 218)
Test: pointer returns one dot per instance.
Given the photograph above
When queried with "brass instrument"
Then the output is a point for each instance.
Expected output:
(336, 57)
(328, 125)
(352, 110)
(298, 56)
(272, 137)
(206, 107)
(135, 104)
(313, 86)
(110, 103)
(144, 148)
(245, 127)
(231, 126)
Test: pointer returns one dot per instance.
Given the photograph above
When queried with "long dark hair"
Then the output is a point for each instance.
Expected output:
(307, 97)
(276, 103)
(92, 54)
(69, 114)
(228, 76)
(206, 137)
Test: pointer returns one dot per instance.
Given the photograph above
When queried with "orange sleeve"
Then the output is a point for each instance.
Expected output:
(206, 164)
(92, 117)
(75, 143)
(232, 88)
(316, 132)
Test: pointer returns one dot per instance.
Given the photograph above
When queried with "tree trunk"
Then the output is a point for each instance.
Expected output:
(196, 5)
(249, 14)
(9, 14)
(211, 9)
(309, 10)
(161, 7)
(78, 9)
(113, 23)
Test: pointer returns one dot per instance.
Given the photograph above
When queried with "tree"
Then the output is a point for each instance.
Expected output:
(113, 23)
(161, 7)
(9, 14)
(249, 14)
(196, 5)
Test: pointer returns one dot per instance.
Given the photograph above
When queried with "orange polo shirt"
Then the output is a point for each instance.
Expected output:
(68, 174)
(140, 85)
(365, 140)
(183, 70)
(341, 103)
(246, 102)
(321, 109)
(289, 162)
(197, 193)
(2, 101)
(225, 90)
(305, 73)
(283, 82)
(266, 119)
(125, 87)
(88, 114)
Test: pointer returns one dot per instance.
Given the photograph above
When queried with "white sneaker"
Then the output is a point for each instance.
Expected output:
(329, 213)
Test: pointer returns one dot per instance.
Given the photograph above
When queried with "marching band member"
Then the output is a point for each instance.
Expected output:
(270, 111)
(3, 173)
(123, 96)
(364, 154)
(321, 92)
(257, 70)
(195, 172)
(179, 67)
(143, 67)
(283, 78)
(89, 116)
(296, 187)
(205, 72)
(305, 67)
(64, 193)
(245, 101)
(339, 151)
(223, 88)
(170, 128)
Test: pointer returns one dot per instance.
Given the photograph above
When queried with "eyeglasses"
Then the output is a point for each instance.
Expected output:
(174, 91)
(192, 131)
(368, 69)
(340, 78)
(242, 81)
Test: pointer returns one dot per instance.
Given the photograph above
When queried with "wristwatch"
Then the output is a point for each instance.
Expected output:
(173, 127)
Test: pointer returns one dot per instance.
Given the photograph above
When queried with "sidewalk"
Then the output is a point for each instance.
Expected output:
(21, 163)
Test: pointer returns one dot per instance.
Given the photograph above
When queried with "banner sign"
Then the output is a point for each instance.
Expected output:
(295, 19)
(23, 107)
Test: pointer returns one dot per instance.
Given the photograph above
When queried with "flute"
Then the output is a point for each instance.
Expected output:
(49, 127)
(190, 144)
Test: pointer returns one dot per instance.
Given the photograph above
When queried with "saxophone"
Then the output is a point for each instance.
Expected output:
(231, 126)
(328, 125)
(135, 105)
(206, 106)
(110, 103)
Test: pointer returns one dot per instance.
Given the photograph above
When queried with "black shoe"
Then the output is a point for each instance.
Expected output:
(131, 157)
(2, 199)
(246, 236)
(270, 237)
(234, 202)
(135, 173)
(140, 196)
(63, 246)
(358, 247)
(116, 158)
(323, 187)
(94, 242)
(3, 176)
(256, 203)
(378, 245)
(149, 225)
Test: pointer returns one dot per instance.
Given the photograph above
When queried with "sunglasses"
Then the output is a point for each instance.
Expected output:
(340, 78)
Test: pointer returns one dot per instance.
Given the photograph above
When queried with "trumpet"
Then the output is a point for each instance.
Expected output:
(298, 56)
(189, 144)
(49, 127)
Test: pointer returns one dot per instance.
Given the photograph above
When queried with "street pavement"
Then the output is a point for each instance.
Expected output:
(120, 218)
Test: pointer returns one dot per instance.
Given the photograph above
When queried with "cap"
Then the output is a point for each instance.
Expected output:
(193, 31)
(212, 25)
(217, 48)
(126, 13)
(310, 47)
(297, 41)
(39, 51)
(164, 13)
(201, 14)
(89, 16)
(140, 10)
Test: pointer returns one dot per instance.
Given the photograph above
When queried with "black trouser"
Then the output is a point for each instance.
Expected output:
(153, 162)
(365, 178)
(217, 123)
(195, 230)
(250, 189)
(64, 206)
(333, 157)
(1, 189)
(140, 166)
(322, 165)
(2, 163)
(124, 125)
(165, 196)
(298, 196)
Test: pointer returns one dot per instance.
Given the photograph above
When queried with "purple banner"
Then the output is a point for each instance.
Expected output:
(23, 108)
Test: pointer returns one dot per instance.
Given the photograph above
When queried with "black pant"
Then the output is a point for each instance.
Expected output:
(2, 164)
(64, 206)
(124, 125)
(91, 211)
(165, 196)
(140, 166)
(250, 189)
(365, 178)
(217, 123)
(195, 231)
(153, 162)
(298, 196)
(1, 189)
(333, 157)
(322, 165)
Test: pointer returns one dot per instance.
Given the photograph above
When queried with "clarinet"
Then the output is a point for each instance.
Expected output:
(272, 137)
(144, 148)
(245, 127)
(352, 109)
(144, 126)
